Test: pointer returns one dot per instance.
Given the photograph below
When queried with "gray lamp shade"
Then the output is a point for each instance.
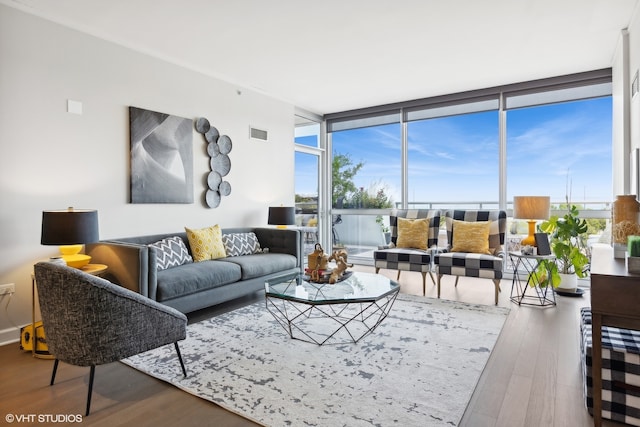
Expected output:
(69, 227)
(282, 215)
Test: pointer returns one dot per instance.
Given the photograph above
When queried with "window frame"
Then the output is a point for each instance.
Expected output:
(572, 87)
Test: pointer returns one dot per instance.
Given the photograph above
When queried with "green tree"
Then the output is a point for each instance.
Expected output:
(342, 172)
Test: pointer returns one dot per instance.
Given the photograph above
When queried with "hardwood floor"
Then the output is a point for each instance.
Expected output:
(532, 377)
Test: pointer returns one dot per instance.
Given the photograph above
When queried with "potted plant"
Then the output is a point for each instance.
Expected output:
(568, 244)
(384, 228)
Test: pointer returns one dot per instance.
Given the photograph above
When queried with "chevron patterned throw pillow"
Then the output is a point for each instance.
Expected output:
(171, 252)
(240, 244)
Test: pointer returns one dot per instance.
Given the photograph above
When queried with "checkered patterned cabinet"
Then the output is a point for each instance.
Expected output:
(409, 259)
(620, 371)
(470, 264)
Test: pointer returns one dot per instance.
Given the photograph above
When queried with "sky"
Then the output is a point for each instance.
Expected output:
(557, 150)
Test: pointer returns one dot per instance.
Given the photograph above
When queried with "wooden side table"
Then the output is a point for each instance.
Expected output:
(615, 298)
(93, 269)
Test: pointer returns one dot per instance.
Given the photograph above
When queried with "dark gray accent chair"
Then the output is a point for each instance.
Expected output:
(89, 321)
(409, 259)
(489, 266)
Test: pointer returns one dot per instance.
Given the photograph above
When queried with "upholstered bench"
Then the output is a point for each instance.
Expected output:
(620, 371)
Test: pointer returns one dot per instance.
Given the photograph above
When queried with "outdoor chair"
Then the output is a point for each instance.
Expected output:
(412, 243)
(475, 246)
(89, 321)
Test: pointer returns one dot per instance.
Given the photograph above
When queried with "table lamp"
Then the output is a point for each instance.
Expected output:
(70, 229)
(281, 216)
(531, 208)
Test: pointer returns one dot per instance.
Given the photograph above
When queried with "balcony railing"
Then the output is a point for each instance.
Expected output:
(362, 230)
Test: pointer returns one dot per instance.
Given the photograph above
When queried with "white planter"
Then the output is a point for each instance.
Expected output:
(633, 265)
(568, 282)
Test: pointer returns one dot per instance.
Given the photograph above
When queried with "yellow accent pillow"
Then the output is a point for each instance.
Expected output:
(413, 233)
(206, 243)
(471, 237)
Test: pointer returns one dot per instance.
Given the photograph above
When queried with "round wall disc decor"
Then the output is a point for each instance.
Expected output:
(213, 180)
(213, 149)
(221, 164)
(212, 135)
(202, 125)
(218, 148)
(225, 144)
(225, 188)
(213, 198)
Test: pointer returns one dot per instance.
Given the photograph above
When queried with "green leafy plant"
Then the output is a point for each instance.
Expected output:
(545, 274)
(380, 222)
(568, 243)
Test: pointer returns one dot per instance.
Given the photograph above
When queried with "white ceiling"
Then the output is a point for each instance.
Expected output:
(334, 55)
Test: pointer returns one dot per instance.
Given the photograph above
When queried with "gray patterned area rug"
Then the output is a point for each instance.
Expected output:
(418, 368)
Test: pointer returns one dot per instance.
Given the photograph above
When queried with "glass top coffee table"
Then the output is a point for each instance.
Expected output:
(323, 313)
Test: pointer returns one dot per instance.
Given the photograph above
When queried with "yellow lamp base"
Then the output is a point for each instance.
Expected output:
(77, 261)
(71, 255)
(530, 240)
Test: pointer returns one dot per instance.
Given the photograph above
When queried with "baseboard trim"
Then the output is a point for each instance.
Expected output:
(9, 336)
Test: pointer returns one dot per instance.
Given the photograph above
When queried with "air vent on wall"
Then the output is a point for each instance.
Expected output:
(259, 134)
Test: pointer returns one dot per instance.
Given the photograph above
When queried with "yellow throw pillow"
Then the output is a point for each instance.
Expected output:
(471, 237)
(206, 243)
(413, 233)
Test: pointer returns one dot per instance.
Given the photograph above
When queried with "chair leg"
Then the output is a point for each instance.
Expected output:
(424, 283)
(55, 369)
(398, 278)
(377, 270)
(496, 282)
(184, 370)
(92, 373)
(432, 279)
(439, 277)
(457, 277)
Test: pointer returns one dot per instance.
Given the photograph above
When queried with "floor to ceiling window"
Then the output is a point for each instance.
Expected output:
(366, 180)
(308, 183)
(472, 150)
(561, 150)
(453, 161)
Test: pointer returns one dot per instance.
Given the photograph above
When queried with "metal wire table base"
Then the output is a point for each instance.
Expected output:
(337, 322)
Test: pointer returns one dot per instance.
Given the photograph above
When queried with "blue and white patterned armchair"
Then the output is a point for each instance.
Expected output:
(409, 259)
(489, 266)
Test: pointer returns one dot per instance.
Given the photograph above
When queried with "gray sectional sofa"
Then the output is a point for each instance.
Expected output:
(133, 263)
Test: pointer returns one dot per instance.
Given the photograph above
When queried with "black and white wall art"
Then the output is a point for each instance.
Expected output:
(161, 157)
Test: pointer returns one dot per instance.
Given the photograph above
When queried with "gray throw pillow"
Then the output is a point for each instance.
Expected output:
(171, 252)
(236, 244)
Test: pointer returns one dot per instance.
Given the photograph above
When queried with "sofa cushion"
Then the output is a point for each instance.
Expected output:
(171, 252)
(236, 244)
(206, 243)
(191, 278)
(258, 265)
(403, 259)
(469, 264)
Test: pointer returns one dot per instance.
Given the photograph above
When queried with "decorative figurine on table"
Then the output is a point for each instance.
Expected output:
(317, 263)
(340, 257)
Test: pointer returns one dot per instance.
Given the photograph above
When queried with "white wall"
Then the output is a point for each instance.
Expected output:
(626, 109)
(620, 119)
(51, 159)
